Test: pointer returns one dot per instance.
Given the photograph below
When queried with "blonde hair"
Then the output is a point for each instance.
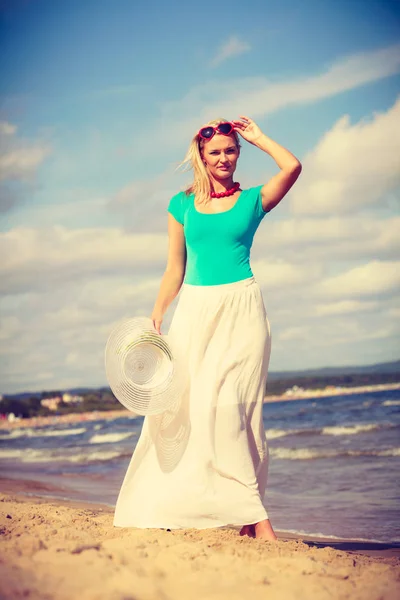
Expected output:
(201, 185)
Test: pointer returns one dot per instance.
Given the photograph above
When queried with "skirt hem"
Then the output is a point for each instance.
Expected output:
(177, 527)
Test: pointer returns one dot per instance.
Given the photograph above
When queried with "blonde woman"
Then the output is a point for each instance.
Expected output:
(204, 463)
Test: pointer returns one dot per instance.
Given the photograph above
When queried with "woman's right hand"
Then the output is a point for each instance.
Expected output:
(157, 319)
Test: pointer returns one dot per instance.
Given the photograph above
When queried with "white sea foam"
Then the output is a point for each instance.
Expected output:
(350, 430)
(61, 432)
(93, 456)
(277, 433)
(28, 455)
(29, 432)
(391, 403)
(299, 453)
(109, 438)
(389, 452)
(10, 453)
(308, 453)
(25, 454)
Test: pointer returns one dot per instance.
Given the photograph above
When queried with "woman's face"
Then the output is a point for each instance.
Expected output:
(220, 156)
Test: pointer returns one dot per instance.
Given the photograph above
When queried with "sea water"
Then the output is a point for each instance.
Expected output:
(333, 463)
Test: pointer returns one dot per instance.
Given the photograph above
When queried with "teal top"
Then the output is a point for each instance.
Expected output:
(218, 244)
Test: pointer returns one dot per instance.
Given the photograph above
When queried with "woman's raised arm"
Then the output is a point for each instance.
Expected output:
(290, 167)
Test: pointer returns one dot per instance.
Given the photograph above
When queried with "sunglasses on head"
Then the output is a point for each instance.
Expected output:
(206, 133)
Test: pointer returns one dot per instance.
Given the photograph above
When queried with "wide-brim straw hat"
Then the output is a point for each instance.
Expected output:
(145, 371)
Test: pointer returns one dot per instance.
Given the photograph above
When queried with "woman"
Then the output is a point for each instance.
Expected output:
(204, 463)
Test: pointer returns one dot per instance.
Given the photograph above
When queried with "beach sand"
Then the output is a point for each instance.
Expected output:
(66, 550)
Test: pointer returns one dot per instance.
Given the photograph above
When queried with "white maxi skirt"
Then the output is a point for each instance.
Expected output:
(204, 463)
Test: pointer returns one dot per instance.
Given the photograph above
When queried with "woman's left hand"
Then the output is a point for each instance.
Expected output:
(248, 129)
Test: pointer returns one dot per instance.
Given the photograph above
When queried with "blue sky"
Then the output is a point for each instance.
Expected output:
(98, 102)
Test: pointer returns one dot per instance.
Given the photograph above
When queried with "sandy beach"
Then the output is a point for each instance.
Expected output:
(64, 550)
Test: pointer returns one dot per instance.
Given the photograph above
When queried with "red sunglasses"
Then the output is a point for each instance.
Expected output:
(206, 133)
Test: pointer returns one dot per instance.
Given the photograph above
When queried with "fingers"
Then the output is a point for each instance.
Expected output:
(243, 122)
(239, 126)
(157, 325)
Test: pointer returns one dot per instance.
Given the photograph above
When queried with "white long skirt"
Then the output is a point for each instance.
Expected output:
(205, 462)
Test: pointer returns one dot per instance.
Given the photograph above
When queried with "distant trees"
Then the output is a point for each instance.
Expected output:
(26, 407)
(100, 400)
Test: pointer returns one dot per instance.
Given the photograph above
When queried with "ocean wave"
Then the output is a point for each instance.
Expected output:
(350, 429)
(391, 403)
(277, 433)
(330, 430)
(317, 535)
(309, 453)
(299, 453)
(95, 456)
(110, 438)
(30, 432)
(389, 452)
(28, 455)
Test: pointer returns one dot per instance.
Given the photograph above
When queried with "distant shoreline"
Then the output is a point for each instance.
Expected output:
(333, 391)
(115, 414)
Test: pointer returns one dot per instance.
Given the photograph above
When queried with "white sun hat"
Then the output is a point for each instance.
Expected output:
(145, 372)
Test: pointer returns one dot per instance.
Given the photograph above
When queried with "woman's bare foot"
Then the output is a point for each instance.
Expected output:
(263, 530)
(248, 530)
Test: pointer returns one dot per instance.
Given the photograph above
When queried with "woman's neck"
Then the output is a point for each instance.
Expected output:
(221, 185)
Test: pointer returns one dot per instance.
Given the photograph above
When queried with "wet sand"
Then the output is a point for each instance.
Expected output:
(62, 550)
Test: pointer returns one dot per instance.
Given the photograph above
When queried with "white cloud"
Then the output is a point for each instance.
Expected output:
(325, 240)
(7, 129)
(344, 307)
(41, 258)
(19, 163)
(143, 202)
(372, 279)
(232, 47)
(258, 97)
(351, 167)
(281, 274)
(19, 159)
(63, 331)
(294, 333)
(329, 238)
(134, 192)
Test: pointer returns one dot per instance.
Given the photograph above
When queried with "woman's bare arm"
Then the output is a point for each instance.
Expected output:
(279, 185)
(174, 274)
(290, 167)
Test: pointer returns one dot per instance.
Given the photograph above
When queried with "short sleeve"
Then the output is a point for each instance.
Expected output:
(175, 207)
(257, 202)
